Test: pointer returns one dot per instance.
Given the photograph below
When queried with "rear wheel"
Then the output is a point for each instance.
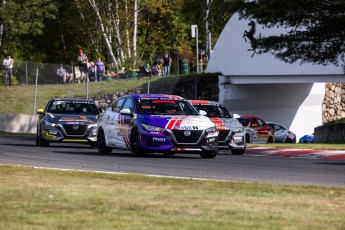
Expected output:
(270, 140)
(208, 154)
(39, 140)
(135, 144)
(101, 144)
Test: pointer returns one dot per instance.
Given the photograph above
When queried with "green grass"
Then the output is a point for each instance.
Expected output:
(48, 199)
(20, 99)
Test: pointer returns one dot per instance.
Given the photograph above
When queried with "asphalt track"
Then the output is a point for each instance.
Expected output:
(279, 166)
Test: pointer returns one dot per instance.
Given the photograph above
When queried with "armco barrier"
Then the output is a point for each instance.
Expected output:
(18, 123)
(329, 133)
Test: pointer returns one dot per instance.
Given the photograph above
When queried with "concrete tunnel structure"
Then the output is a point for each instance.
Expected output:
(261, 85)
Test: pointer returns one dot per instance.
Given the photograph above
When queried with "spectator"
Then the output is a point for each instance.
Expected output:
(147, 70)
(156, 69)
(63, 76)
(91, 71)
(8, 65)
(166, 64)
(100, 69)
(82, 63)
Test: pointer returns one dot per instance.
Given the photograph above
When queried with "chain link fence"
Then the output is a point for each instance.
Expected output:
(25, 72)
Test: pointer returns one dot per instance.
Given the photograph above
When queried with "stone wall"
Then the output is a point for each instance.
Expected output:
(333, 105)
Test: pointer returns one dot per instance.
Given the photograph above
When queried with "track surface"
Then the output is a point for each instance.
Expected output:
(257, 165)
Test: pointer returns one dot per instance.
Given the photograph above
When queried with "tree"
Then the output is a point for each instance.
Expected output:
(315, 28)
(23, 19)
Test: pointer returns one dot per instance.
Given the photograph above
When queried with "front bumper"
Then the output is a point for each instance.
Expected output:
(230, 141)
(65, 133)
(175, 141)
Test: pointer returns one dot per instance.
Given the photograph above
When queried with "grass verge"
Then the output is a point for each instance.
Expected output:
(49, 199)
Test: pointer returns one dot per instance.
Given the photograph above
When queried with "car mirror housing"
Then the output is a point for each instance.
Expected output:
(202, 112)
(40, 111)
(125, 112)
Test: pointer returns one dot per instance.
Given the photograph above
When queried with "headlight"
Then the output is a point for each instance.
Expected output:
(49, 124)
(211, 130)
(152, 128)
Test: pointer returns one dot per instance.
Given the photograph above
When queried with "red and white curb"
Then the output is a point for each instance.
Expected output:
(297, 153)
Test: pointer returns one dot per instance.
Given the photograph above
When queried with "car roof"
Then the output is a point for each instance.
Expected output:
(157, 96)
(70, 99)
(204, 102)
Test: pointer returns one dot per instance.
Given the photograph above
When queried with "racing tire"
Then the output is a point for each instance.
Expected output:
(270, 140)
(93, 144)
(135, 144)
(101, 144)
(247, 138)
(238, 151)
(39, 140)
(208, 154)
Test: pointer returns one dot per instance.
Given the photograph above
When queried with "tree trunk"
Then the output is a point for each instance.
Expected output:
(101, 25)
(135, 31)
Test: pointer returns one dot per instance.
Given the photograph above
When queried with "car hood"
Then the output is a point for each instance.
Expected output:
(71, 118)
(226, 123)
(179, 122)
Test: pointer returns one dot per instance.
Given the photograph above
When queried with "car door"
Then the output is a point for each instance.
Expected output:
(112, 121)
(263, 131)
(124, 124)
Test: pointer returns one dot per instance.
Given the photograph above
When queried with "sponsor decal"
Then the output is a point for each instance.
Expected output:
(158, 139)
(187, 127)
(81, 118)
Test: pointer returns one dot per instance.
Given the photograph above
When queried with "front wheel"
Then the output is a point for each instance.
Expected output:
(101, 144)
(39, 140)
(208, 154)
(135, 144)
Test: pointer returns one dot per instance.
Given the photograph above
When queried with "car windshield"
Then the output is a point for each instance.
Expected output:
(244, 121)
(214, 111)
(72, 107)
(163, 106)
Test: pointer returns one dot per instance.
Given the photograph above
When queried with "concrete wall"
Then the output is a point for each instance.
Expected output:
(18, 123)
(330, 133)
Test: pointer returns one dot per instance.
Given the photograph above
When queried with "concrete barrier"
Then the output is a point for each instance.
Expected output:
(18, 123)
(330, 133)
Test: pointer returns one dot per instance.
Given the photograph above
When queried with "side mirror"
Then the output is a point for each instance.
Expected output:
(40, 111)
(202, 112)
(254, 125)
(125, 112)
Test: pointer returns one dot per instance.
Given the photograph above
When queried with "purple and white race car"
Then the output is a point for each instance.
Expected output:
(145, 123)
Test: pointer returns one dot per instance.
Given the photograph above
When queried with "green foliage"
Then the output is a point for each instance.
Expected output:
(53, 31)
(315, 28)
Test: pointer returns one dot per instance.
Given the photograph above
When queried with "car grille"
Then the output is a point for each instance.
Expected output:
(70, 131)
(223, 134)
(193, 138)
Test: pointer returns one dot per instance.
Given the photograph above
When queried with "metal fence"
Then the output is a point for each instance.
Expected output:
(25, 72)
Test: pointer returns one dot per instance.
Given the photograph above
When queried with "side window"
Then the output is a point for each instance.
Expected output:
(128, 104)
(260, 123)
(116, 106)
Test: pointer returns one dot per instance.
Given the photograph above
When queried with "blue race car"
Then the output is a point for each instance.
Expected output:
(145, 123)
(306, 139)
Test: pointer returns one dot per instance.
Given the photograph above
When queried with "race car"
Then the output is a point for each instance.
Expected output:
(146, 123)
(231, 132)
(257, 131)
(67, 120)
